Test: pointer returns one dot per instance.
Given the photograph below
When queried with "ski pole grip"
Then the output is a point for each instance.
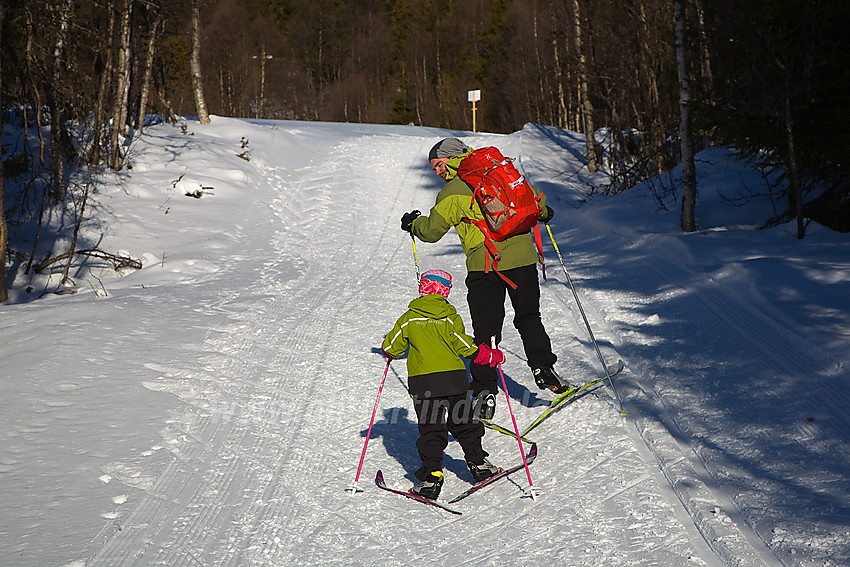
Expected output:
(493, 346)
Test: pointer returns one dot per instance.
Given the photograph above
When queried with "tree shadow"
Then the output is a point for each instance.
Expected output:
(736, 363)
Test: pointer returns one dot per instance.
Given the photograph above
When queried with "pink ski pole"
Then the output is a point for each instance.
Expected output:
(354, 488)
(531, 488)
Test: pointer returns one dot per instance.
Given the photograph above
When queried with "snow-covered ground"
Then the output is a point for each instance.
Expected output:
(210, 409)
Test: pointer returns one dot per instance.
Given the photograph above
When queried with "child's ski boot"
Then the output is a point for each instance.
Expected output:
(482, 472)
(430, 487)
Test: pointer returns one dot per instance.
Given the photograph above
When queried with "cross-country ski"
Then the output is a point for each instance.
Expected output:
(553, 406)
(529, 458)
(380, 483)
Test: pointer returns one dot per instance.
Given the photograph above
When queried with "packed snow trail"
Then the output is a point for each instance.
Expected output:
(235, 375)
(273, 448)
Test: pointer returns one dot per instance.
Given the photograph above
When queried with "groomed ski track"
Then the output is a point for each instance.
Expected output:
(271, 378)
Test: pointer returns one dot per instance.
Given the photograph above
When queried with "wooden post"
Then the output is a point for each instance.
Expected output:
(473, 97)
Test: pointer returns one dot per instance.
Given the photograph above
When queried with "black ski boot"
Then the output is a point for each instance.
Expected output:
(548, 379)
(485, 405)
(482, 472)
(430, 487)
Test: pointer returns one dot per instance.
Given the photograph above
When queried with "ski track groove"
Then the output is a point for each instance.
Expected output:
(746, 546)
(193, 527)
(226, 495)
(332, 307)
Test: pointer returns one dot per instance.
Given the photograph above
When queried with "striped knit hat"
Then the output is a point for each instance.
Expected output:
(435, 281)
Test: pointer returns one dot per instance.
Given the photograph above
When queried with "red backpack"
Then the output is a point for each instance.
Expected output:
(507, 200)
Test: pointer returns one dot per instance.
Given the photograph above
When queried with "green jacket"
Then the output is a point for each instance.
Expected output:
(455, 202)
(437, 339)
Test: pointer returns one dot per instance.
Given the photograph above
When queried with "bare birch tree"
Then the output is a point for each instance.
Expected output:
(33, 87)
(148, 73)
(105, 84)
(795, 186)
(56, 149)
(704, 55)
(646, 57)
(689, 181)
(122, 88)
(4, 231)
(195, 65)
(585, 105)
(563, 114)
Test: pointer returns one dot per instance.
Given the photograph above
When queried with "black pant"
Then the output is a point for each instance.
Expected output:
(437, 418)
(486, 299)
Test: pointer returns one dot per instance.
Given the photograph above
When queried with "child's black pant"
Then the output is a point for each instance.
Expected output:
(437, 418)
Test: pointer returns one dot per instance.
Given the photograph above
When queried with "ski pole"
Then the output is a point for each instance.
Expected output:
(415, 257)
(354, 488)
(586, 323)
(531, 488)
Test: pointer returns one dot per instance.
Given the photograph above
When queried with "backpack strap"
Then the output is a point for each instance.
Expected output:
(538, 242)
(492, 251)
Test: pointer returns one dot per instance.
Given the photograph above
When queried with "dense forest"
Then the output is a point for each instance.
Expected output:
(655, 79)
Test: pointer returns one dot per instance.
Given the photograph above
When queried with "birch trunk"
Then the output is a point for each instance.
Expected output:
(584, 103)
(36, 93)
(122, 89)
(706, 75)
(195, 65)
(689, 181)
(57, 159)
(656, 128)
(559, 78)
(105, 84)
(4, 231)
(146, 81)
(795, 186)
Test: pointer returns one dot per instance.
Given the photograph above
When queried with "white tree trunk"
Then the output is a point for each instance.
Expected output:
(795, 197)
(689, 181)
(105, 84)
(656, 128)
(122, 89)
(146, 81)
(584, 103)
(706, 75)
(563, 119)
(4, 234)
(58, 154)
(195, 65)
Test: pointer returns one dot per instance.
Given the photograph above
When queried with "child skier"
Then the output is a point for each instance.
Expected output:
(438, 381)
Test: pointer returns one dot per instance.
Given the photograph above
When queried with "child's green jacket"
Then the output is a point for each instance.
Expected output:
(435, 334)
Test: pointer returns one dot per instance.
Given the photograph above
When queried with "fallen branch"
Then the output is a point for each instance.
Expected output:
(116, 260)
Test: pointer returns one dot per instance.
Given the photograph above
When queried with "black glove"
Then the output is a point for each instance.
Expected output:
(407, 220)
(548, 216)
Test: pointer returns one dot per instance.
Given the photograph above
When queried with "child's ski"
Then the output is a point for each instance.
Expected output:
(529, 458)
(379, 481)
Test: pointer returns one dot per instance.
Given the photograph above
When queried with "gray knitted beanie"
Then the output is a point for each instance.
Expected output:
(449, 147)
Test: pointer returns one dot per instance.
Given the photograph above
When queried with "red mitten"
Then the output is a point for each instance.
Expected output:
(488, 356)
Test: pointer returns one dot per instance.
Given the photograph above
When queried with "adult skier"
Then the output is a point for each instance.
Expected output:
(486, 289)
